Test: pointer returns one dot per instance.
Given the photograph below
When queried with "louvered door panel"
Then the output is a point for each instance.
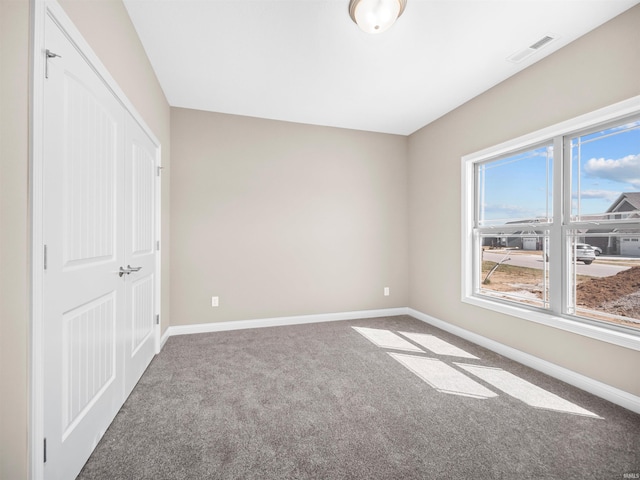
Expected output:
(143, 180)
(89, 358)
(90, 156)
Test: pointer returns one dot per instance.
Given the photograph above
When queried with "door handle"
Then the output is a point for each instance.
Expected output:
(128, 270)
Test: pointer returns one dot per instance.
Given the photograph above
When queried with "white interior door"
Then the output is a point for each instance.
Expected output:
(99, 231)
(140, 251)
(84, 298)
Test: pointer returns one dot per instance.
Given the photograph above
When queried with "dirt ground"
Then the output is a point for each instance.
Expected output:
(618, 294)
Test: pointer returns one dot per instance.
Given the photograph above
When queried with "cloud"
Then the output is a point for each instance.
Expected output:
(623, 170)
(503, 211)
(504, 208)
(607, 195)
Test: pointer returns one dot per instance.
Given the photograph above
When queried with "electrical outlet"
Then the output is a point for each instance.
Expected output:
(214, 301)
(386, 291)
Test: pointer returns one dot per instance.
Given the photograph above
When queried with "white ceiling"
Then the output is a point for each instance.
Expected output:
(305, 60)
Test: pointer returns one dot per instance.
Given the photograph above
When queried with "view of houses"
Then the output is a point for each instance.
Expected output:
(623, 242)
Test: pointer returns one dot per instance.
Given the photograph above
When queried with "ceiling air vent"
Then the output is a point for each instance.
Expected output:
(531, 49)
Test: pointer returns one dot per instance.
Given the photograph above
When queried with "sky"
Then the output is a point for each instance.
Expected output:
(604, 164)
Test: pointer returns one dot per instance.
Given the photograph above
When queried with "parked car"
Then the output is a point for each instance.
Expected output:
(596, 250)
(585, 253)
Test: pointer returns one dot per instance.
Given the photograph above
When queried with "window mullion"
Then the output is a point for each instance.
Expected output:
(557, 290)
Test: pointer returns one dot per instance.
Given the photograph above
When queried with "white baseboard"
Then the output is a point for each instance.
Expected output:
(602, 390)
(164, 338)
(279, 321)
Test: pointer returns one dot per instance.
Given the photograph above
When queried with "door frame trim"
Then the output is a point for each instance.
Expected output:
(39, 10)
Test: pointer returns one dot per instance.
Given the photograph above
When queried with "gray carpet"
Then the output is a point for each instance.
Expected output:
(321, 401)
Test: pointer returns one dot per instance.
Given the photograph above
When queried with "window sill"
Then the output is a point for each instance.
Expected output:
(615, 337)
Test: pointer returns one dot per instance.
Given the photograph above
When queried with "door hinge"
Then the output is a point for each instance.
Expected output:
(158, 319)
(45, 257)
(48, 54)
(45, 451)
(158, 170)
(158, 245)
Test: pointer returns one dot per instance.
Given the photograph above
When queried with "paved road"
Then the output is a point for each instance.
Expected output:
(535, 261)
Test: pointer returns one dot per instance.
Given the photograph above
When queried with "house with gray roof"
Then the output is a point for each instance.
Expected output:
(625, 207)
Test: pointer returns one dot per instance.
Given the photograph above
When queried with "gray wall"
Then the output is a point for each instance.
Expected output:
(599, 69)
(14, 237)
(108, 29)
(283, 219)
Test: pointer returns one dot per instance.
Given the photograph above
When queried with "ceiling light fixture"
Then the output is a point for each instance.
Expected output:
(375, 16)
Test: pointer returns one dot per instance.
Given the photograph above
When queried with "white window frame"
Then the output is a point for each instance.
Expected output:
(550, 318)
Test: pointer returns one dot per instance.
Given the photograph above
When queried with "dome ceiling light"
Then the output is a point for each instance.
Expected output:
(375, 16)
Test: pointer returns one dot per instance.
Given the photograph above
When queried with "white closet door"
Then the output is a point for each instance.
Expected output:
(84, 297)
(140, 251)
(99, 230)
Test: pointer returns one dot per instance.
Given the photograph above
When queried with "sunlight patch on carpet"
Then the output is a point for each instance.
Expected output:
(386, 339)
(522, 390)
(437, 346)
(443, 377)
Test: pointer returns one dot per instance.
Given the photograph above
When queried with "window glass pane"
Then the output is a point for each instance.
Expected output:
(515, 189)
(605, 174)
(513, 267)
(605, 286)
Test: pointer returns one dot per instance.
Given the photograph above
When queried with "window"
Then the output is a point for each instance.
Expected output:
(551, 225)
(511, 220)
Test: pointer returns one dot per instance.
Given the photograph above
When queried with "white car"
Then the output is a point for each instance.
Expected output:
(585, 253)
(597, 250)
